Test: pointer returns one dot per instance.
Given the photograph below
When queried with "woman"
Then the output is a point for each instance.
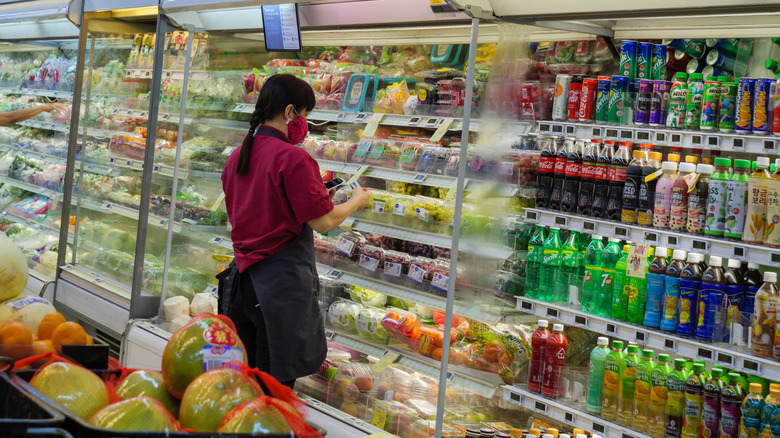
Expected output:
(275, 196)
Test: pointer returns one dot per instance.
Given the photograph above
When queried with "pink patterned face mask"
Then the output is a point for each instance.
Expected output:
(297, 129)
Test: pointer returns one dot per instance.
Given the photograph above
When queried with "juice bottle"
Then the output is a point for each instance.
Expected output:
(718, 197)
(752, 406)
(631, 188)
(538, 344)
(765, 315)
(551, 264)
(731, 407)
(694, 400)
(755, 219)
(593, 280)
(710, 415)
(620, 287)
(736, 204)
(713, 290)
(663, 195)
(555, 354)
(770, 415)
(611, 389)
(609, 258)
(675, 405)
(690, 284)
(735, 291)
(678, 213)
(598, 358)
(644, 385)
(534, 262)
(697, 200)
(672, 291)
(647, 186)
(659, 396)
(772, 233)
(655, 287)
(627, 386)
(753, 281)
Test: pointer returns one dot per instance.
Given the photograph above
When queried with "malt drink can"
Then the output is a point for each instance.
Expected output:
(602, 99)
(561, 97)
(659, 103)
(618, 94)
(587, 110)
(658, 63)
(710, 70)
(628, 61)
(743, 116)
(728, 105)
(644, 98)
(575, 89)
(710, 105)
(644, 61)
(762, 114)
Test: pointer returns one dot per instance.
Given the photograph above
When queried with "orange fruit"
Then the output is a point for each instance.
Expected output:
(41, 347)
(436, 354)
(15, 340)
(68, 333)
(49, 322)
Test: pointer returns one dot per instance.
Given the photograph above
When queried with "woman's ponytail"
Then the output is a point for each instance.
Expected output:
(242, 168)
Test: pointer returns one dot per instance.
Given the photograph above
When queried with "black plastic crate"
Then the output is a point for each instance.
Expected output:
(21, 411)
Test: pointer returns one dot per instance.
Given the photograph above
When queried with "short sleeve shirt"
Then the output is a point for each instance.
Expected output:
(269, 205)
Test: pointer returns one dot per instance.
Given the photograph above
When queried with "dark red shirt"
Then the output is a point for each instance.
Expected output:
(269, 205)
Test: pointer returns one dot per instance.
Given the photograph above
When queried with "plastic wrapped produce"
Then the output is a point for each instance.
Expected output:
(370, 260)
(440, 279)
(396, 265)
(403, 209)
(367, 297)
(420, 271)
(343, 314)
(346, 254)
(360, 154)
(368, 325)
(383, 153)
(323, 251)
(411, 151)
(380, 203)
(402, 326)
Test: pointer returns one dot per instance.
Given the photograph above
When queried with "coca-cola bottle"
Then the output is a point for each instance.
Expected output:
(590, 155)
(601, 189)
(559, 175)
(544, 176)
(571, 186)
(617, 180)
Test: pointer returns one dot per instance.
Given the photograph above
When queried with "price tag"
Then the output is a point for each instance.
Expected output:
(516, 398)
(380, 415)
(591, 227)
(700, 245)
(526, 306)
(670, 345)
(388, 358)
(361, 117)
(414, 121)
(626, 135)
(738, 144)
(334, 274)
(129, 112)
(97, 280)
(540, 406)
(581, 321)
(553, 313)
(640, 337)
(696, 140)
(622, 232)
(165, 117)
(557, 129)
(651, 237)
(107, 206)
(378, 206)
(713, 141)
(596, 133)
(442, 129)
(329, 335)
(419, 178)
(569, 417)
(739, 252)
(643, 136)
(571, 130)
(372, 125)
(774, 258)
(611, 134)
(725, 359)
(770, 146)
(562, 221)
(531, 216)
(675, 139)
(612, 328)
(660, 137)
(340, 116)
(751, 366)
(544, 128)
(672, 241)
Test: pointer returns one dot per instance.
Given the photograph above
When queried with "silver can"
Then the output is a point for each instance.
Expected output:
(561, 97)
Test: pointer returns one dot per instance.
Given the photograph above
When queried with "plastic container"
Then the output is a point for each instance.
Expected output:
(411, 151)
(332, 290)
(440, 276)
(323, 251)
(396, 266)
(402, 326)
(432, 160)
(420, 271)
(402, 210)
(346, 250)
(383, 153)
(370, 260)
(343, 315)
(369, 326)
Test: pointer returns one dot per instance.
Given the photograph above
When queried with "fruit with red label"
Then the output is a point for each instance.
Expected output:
(212, 395)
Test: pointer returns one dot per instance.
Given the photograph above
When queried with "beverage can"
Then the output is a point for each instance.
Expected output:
(602, 99)
(658, 63)
(732, 46)
(761, 106)
(726, 62)
(694, 66)
(561, 96)
(618, 92)
(693, 101)
(710, 70)
(628, 59)
(728, 105)
(643, 102)
(677, 102)
(710, 105)
(743, 114)
(644, 61)
(776, 111)
(575, 89)
(694, 48)
(659, 103)
(587, 110)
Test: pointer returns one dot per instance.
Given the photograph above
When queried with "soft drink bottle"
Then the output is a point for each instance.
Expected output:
(601, 191)
(571, 274)
(555, 362)
(559, 175)
(617, 180)
(573, 170)
(588, 177)
(636, 295)
(765, 315)
(711, 296)
(647, 188)
(731, 407)
(731, 313)
(694, 400)
(690, 285)
(644, 385)
(710, 415)
(593, 271)
(627, 386)
(753, 281)
(534, 262)
(538, 345)
(620, 287)
(598, 358)
(656, 277)
(551, 265)
(611, 390)
(672, 291)
(609, 258)
(631, 188)
(675, 405)
(658, 396)
(752, 406)
(770, 415)
(546, 170)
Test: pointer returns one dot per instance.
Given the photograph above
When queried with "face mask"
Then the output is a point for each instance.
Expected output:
(297, 129)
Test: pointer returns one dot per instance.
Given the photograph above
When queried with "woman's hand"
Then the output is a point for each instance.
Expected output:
(361, 197)
(49, 107)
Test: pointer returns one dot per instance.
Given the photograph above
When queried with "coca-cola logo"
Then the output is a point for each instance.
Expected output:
(560, 166)
(588, 171)
(546, 165)
(573, 168)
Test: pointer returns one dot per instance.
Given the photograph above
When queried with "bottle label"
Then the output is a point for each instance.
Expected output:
(756, 211)
(716, 207)
(773, 213)
(602, 172)
(655, 296)
(679, 206)
(709, 319)
(764, 322)
(663, 203)
(671, 296)
(693, 406)
(546, 164)
(589, 170)
(687, 311)
(697, 207)
(560, 165)
(729, 420)
(710, 416)
(573, 168)
(618, 173)
(735, 210)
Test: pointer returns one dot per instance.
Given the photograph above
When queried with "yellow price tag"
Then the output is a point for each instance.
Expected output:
(637, 259)
(385, 361)
(373, 124)
(379, 435)
(380, 415)
(443, 128)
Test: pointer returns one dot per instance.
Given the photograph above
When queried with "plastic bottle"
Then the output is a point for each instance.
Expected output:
(546, 169)
(573, 171)
(588, 177)
(772, 233)
(693, 101)
(598, 359)
(731, 407)
(533, 263)
(632, 187)
(735, 292)
(736, 205)
(656, 275)
(658, 396)
(765, 315)
(675, 405)
(601, 191)
(678, 213)
(663, 195)
(755, 219)
(644, 386)
(672, 291)
(753, 281)
(551, 264)
(609, 258)
(710, 415)
(677, 101)
(718, 198)
(571, 275)
(636, 293)
(538, 344)
(711, 295)
(611, 389)
(620, 287)
(627, 386)
(770, 415)
(559, 175)
(647, 186)
(617, 180)
(694, 400)
(690, 284)
(752, 406)
(555, 354)
(593, 279)
(697, 200)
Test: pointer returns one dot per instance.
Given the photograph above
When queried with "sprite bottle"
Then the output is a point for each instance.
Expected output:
(534, 262)
(571, 284)
(621, 287)
(592, 262)
(551, 264)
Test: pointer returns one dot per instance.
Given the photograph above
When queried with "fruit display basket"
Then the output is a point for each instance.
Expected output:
(21, 412)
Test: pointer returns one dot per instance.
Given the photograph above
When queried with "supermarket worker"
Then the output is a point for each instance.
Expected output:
(275, 196)
(12, 117)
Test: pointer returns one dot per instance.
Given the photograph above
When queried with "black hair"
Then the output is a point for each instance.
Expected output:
(277, 93)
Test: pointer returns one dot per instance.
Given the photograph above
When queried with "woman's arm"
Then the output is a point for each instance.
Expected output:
(12, 117)
(341, 212)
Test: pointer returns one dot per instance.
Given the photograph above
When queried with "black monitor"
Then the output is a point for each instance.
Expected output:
(281, 28)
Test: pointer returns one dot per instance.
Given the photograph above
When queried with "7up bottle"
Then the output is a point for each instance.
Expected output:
(677, 101)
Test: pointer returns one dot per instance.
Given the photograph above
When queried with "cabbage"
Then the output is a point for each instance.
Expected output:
(13, 270)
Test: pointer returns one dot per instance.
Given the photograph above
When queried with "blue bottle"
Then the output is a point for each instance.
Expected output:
(656, 276)
(672, 291)
(713, 288)
(690, 284)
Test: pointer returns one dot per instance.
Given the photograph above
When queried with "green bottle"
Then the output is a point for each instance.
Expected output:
(609, 258)
(549, 273)
(592, 262)
(570, 279)
(694, 402)
(611, 389)
(659, 396)
(534, 262)
(598, 358)
(644, 387)
(627, 386)
(715, 221)
(637, 293)
(675, 403)
(621, 287)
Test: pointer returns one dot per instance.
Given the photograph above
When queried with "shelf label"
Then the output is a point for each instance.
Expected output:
(675, 139)
(622, 232)
(531, 216)
(770, 145)
(704, 353)
(419, 178)
(589, 226)
(525, 306)
(660, 137)
(361, 117)
(672, 241)
(651, 237)
(726, 359)
(569, 417)
(670, 345)
(380, 415)
(562, 221)
(626, 135)
(581, 321)
(774, 258)
(643, 136)
(334, 274)
(571, 130)
(557, 129)
(611, 134)
(442, 129)
(612, 328)
(329, 335)
(544, 128)
(640, 337)
(738, 144)
(751, 366)
(540, 406)
(596, 133)
(701, 245)
(696, 140)
(516, 398)
(553, 313)
(387, 359)
(600, 428)
(414, 121)
(372, 125)
(713, 141)
(739, 252)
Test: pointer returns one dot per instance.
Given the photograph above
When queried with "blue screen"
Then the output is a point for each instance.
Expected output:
(280, 26)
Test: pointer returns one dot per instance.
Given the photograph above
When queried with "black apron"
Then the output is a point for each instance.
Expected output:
(287, 288)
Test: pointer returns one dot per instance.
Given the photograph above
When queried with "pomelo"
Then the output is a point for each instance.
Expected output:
(13, 271)
(27, 310)
(140, 413)
(208, 341)
(262, 415)
(212, 395)
(75, 388)
(150, 384)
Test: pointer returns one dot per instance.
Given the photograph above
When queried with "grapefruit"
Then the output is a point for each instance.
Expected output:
(262, 415)
(208, 341)
(150, 384)
(137, 413)
(74, 387)
(212, 395)
(30, 311)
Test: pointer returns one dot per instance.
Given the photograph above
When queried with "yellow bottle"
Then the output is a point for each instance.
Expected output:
(755, 218)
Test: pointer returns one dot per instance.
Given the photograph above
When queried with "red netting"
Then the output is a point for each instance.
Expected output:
(276, 388)
(267, 414)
